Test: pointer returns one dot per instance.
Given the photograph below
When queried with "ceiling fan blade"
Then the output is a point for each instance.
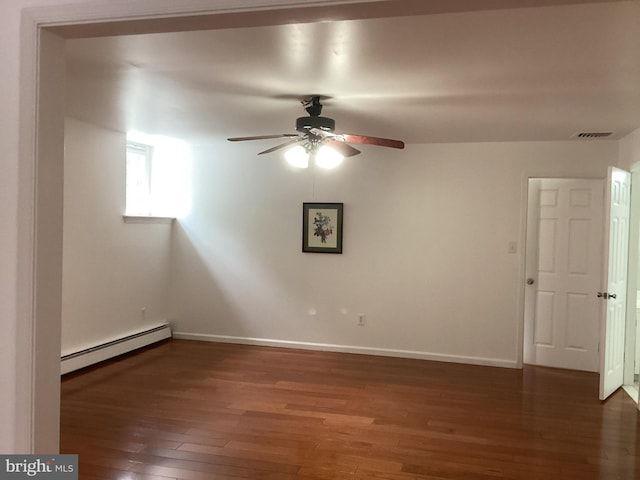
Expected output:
(282, 145)
(262, 137)
(381, 142)
(344, 148)
(345, 137)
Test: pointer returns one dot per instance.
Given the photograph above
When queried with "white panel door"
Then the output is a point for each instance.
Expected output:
(614, 299)
(564, 272)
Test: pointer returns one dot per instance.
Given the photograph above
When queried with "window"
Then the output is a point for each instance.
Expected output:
(138, 179)
(158, 173)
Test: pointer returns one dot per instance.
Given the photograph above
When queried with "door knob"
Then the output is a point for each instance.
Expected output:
(530, 281)
(606, 295)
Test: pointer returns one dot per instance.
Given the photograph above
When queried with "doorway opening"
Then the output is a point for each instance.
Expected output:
(632, 341)
(563, 271)
(577, 269)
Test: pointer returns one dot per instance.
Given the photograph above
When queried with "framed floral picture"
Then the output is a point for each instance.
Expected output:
(322, 227)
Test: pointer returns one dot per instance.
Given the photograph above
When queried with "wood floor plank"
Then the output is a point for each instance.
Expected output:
(188, 410)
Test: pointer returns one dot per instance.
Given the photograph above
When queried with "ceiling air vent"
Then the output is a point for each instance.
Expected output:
(592, 134)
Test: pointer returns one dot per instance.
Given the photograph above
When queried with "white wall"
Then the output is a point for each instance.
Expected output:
(630, 150)
(111, 269)
(425, 257)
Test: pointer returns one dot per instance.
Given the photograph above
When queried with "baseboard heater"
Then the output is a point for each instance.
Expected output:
(104, 351)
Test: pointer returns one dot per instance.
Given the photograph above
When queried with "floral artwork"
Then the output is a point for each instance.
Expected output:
(322, 227)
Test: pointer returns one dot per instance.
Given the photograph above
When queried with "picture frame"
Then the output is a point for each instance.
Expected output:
(322, 227)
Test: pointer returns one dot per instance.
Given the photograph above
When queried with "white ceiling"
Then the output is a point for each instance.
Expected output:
(542, 73)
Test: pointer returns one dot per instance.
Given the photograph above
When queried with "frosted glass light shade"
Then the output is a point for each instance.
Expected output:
(297, 157)
(327, 157)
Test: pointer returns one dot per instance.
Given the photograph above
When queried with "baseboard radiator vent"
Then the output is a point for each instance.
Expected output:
(104, 351)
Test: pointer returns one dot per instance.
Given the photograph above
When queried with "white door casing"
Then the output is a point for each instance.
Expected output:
(613, 310)
(564, 262)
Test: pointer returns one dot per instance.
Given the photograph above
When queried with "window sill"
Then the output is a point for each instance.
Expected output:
(145, 219)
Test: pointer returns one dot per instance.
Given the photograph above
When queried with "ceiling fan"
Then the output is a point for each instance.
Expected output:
(316, 138)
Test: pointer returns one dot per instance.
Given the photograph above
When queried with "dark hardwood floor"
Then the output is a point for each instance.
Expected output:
(194, 411)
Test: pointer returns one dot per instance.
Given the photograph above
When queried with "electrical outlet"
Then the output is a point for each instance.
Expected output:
(361, 320)
(143, 313)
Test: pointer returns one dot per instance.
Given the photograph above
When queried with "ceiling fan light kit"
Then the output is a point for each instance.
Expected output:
(324, 156)
(316, 138)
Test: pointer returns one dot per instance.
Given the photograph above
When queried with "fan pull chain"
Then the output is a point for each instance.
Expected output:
(313, 184)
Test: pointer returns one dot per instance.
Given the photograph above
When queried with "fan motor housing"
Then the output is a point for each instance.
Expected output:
(304, 124)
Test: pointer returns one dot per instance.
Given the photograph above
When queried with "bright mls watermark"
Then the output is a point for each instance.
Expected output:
(52, 467)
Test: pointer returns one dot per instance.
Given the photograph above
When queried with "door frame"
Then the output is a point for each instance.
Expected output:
(529, 237)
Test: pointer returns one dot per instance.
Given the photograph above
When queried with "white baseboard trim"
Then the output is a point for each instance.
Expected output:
(383, 352)
(118, 346)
